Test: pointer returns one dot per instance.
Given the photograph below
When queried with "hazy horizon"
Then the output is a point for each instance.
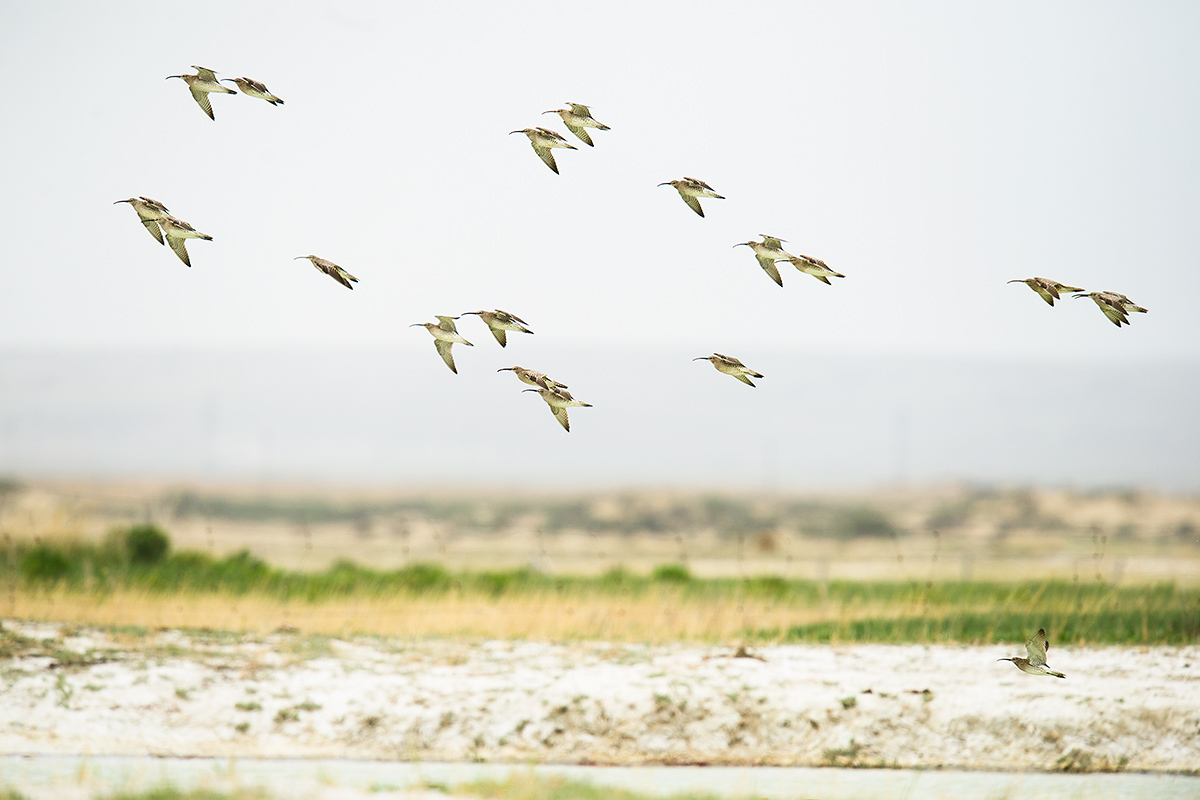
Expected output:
(815, 422)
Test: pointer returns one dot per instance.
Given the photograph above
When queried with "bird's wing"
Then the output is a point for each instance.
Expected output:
(741, 376)
(1037, 648)
(501, 337)
(560, 414)
(1114, 313)
(340, 275)
(180, 250)
(546, 155)
(206, 73)
(580, 132)
(693, 203)
(152, 226)
(201, 99)
(443, 349)
(768, 265)
(1045, 295)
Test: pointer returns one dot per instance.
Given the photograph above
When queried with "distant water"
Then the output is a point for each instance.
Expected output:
(296, 777)
(399, 416)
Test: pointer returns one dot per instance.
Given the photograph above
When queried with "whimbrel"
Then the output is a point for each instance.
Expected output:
(731, 366)
(149, 211)
(445, 334)
(533, 377)
(559, 400)
(1047, 289)
(768, 251)
(692, 188)
(500, 321)
(203, 83)
(815, 267)
(253, 88)
(331, 269)
(177, 232)
(544, 141)
(1037, 647)
(578, 118)
(1115, 306)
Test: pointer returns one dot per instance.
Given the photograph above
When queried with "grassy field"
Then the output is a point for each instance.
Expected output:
(133, 579)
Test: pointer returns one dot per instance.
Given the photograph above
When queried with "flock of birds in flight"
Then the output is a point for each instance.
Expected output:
(578, 119)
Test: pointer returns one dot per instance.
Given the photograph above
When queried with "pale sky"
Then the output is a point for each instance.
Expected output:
(928, 151)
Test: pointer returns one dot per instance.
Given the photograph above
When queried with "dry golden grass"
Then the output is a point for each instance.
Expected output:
(654, 617)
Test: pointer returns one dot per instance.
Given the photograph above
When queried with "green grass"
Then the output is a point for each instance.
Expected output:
(531, 787)
(1086, 612)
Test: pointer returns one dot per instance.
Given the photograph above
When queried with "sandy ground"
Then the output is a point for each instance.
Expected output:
(583, 703)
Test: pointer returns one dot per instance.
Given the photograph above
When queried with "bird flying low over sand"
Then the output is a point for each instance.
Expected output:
(178, 232)
(768, 251)
(692, 188)
(815, 267)
(578, 118)
(149, 211)
(331, 269)
(544, 141)
(253, 88)
(1037, 647)
(202, 84)
(559, 400)
(1047, 289)
(499, 322)
(533, 377)
(445, 334)
(731, 366)
(1115, 306)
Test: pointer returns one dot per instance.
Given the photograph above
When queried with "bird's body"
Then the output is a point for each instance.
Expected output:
(1037, 647)
(731, 366)
(815, 267)
(544, 141)
(331, 269)
(533, 377)
(202, 84)
(690, 189)
(559, 400)
(178, 232)
(1115, 306)
(500, 321)
(768, 251)
(445, 334)
(149, 211)
(253, 88)
(1047, 289)
(578, 118)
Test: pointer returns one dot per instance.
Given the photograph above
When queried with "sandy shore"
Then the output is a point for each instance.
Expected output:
(593, 703)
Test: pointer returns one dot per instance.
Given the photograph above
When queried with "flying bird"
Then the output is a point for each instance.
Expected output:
(202, 84)
(578, 118)
(1047, 289)
(731, 366)
(1037, 647)
(253, 88)
(815, 267)
(1115, 306)
(178, 232)
(500, 321)
(149, 211)
(544, 141)
(768, 251)
(445, 334)
(533, 377)
(559, 400)
(331, 269)
(690, 189)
